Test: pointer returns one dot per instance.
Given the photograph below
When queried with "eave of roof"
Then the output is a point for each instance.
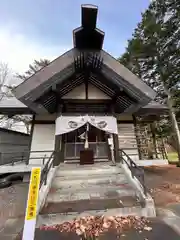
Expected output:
(63, 67)
(12, 105)
(14, 132)
(153, 108)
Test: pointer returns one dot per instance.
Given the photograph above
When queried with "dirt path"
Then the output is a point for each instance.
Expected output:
(164, 184)
(12, 202)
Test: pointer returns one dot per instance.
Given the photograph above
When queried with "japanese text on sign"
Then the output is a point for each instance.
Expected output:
(33, 194)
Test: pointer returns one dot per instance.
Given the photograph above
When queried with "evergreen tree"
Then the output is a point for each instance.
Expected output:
(153, 54)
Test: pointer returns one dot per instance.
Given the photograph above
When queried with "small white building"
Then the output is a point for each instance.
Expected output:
(86, 95)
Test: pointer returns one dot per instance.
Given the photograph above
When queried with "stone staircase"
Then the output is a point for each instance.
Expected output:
(97, 189)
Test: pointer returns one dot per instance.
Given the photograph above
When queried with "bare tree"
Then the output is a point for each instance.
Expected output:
(6, 92)
(6, 88)
(4, 73)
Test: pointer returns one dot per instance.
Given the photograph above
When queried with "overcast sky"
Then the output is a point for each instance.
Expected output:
(33, 29)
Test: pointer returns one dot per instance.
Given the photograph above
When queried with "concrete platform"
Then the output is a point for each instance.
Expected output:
(53, 219)
(154, 162)
(160, 230)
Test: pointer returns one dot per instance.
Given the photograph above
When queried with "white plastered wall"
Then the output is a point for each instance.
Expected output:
(127, 138)
(43, 139)
(95, 93)
(79, 93)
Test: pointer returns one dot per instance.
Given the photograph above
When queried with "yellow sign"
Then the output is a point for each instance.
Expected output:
(33, 194)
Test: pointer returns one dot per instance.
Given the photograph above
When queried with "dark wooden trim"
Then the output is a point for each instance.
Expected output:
(62, 157)
(86, 84)
(108, 149)
(86, 89)
(86, 101)
(115, 140)
(124, 121)
(57, 150)
(116, 147)
(44, 121)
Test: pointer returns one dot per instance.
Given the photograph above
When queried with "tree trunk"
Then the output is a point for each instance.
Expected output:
(174, 121)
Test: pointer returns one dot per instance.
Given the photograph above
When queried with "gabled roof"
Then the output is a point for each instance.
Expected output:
(63, 68)
(88, 41)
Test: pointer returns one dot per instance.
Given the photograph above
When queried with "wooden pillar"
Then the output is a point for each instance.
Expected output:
(137, 137)
(31, 134)
(115, 140)
(108, 148)
(116, 147)
(59, 149)
(62, 148)
(153, 131)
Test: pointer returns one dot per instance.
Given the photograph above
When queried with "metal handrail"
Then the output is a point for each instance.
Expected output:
(24, 156)
(136, 171)
(49, 164)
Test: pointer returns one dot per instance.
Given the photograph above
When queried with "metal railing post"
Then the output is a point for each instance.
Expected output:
(1, 158)
(120, 156)
(136, 171)
(44, 159)
(48, 165)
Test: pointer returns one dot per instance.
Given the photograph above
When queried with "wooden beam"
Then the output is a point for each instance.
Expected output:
(43, 121)
(124, 121)
(86, 101)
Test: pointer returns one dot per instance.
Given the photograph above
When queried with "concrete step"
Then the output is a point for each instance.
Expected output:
(88, 171)
(82, 205)
(64, 166)
(76, 161)
(89, 193)
(89, 175)
(58, 218)
(93, 188)
(61, 182)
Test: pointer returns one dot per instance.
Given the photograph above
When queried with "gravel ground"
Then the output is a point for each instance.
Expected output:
(13, 202)
(163, 184)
